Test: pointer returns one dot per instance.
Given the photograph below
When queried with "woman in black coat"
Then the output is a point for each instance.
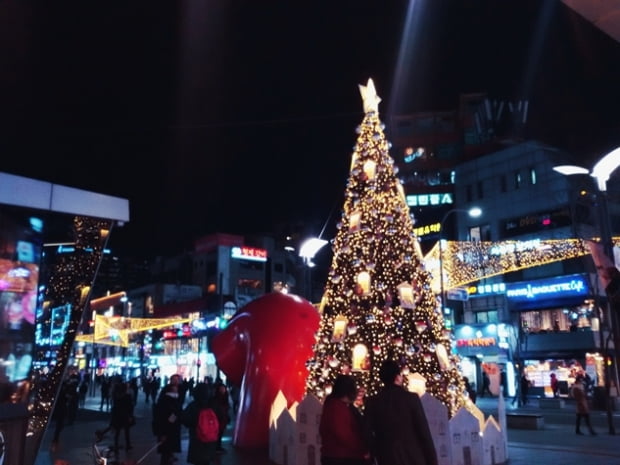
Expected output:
(167, 424)
(198, 452)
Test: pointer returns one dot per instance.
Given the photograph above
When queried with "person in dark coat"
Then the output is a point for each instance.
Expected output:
(105, 393)
(398, 424)
(198, 452)
(167, 423)
(470, 391)
(59, 414)
(121, 416)
(343, 441)
(486, 385)
(525, 388)
(222, 403)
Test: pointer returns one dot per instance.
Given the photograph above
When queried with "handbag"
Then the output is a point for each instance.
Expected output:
(132, 420)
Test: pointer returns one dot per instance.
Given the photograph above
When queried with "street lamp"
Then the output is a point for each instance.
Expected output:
(309, 248)
(601, 172)
(473, 212)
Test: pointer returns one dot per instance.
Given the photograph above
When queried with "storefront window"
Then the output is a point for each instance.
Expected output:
(539, 373)
(560, 319)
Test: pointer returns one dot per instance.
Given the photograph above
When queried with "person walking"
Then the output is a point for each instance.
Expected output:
(555, 387)
(503, 383)
(486, 383)
(83, 390)
(398, 424)
(525, 388)
(198, 452)
(59, 414)
(343, 441)
(105, 393)
(121, 416)
(222, 402)
(470, 391)
(581, 405)
(167, 423)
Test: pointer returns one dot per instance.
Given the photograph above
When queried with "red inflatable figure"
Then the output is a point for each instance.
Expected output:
(264, 349)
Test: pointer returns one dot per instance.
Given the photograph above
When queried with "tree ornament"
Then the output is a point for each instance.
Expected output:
(420, 326)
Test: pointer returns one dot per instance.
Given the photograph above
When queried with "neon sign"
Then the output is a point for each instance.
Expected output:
(476, 342)
(565, 286)
(428, 200)
(249, 253)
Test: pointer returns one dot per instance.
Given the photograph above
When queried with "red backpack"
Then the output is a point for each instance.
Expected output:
(208, 427)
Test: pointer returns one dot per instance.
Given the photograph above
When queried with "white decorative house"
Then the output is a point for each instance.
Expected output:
(465, 439)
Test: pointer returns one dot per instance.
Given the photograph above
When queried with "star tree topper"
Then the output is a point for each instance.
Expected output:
(370, 97)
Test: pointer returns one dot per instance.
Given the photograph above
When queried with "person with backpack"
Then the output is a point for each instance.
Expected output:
(203, 426)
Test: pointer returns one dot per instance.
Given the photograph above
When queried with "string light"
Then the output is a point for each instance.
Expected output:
(376, 255)
(466, 262)
(117, 330)
(70, 280)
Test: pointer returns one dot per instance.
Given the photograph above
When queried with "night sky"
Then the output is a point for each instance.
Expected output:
(224, 116)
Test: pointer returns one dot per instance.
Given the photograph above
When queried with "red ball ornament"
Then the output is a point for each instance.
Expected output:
(421, 326)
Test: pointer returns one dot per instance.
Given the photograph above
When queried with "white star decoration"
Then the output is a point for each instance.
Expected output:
(370, 97)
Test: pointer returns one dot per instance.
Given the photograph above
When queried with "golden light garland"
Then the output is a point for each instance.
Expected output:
(117, 330)
(465, 262)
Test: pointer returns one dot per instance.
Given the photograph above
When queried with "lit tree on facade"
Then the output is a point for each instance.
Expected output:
(378, 302)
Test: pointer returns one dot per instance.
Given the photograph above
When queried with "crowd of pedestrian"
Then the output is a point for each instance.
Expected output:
(387, 428)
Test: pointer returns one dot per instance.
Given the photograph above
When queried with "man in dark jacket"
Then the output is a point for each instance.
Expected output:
(396, 418)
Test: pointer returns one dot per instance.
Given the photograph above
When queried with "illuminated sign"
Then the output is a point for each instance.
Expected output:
(249, 253)
(476, 342)
(427, 229)
(486, 289)
(518, 246)
(429, 200)
(562, 287)
(481, 339)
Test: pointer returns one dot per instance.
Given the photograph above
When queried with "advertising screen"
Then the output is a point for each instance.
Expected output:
(20, 255)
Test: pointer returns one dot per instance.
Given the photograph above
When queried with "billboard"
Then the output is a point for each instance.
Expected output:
(20, 255)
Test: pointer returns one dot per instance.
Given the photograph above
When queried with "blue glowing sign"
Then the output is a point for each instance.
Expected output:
(554, 288)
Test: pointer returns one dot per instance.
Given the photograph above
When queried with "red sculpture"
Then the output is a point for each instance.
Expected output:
(264, 350)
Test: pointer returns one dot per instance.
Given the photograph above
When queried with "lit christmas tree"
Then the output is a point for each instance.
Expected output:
(378, 302)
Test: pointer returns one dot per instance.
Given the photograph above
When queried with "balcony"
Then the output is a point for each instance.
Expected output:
(556, 343)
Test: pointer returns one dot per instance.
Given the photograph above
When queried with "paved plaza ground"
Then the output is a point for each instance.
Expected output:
(556, 444)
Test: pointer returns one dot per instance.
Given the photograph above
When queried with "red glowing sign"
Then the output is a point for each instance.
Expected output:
(249, 253)
(476, 342)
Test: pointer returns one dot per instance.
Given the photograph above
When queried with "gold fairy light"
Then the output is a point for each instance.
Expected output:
(378, 285)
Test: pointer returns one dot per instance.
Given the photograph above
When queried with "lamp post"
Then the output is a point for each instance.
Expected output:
(307, 251)
(601, 172)
(473, 212)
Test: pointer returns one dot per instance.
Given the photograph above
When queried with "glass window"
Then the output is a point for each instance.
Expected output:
(489, 316)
